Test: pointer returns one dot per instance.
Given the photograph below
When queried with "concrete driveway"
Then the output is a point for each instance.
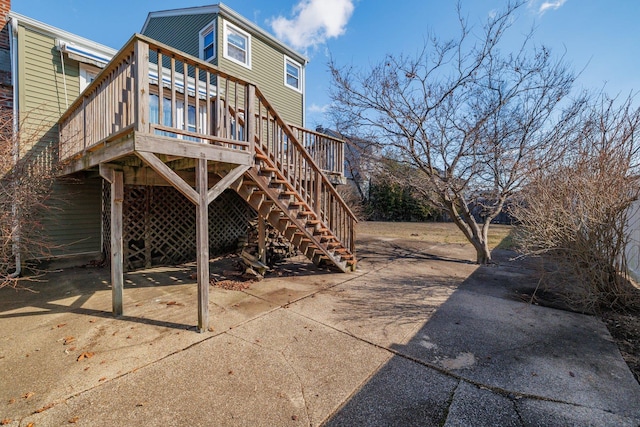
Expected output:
(418, 336)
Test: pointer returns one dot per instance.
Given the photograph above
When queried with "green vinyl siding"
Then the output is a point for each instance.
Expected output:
(267, 59)
(45, 90)
(180, 32)
(267, 72)
(72, 221)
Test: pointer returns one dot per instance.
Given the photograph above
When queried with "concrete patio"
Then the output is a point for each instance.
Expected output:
(417, 336)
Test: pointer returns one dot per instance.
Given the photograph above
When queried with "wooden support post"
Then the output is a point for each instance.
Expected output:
(202, 243)
(117, 268)
(262, 239)
(250, 119)
(142, 86)
(115, 178)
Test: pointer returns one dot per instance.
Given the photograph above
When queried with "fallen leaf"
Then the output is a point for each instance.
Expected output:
(87, 368)
(211, 329)
(31, 425)
(12, 401)
(72, 348)
(28, 395)
(230, 372)
(85, 355)
(92, 321)
(61, 325)
(139, 404)
(572, 374)
(5, 421)
(44, 408)
(102, 379)
(294, 417)
(174, 303)
(68, 340)
(74, 420)
(129, 337)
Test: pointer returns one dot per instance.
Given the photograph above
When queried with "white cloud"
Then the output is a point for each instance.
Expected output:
(313, 22)
(315, 108)
(551, 4)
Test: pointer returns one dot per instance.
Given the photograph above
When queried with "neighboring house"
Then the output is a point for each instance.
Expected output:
(176, 141)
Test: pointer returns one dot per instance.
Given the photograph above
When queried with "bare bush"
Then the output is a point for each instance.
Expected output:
(26, 180)
(575, 213)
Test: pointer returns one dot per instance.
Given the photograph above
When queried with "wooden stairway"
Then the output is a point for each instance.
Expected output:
(274, 198)
(286, 186)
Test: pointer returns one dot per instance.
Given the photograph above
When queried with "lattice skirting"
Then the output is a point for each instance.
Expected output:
(159, 225)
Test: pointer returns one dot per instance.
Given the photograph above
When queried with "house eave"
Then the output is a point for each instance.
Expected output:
(58, 33)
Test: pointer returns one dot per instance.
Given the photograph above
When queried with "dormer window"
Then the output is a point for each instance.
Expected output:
(292, 74)
(237, 45)
(208, 42)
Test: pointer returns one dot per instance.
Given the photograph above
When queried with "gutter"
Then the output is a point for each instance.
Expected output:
(13, 51)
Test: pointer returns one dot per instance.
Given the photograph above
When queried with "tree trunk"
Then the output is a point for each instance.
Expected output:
(477, 236)
(483, 254)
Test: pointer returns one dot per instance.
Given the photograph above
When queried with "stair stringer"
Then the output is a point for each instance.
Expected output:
(293, 222)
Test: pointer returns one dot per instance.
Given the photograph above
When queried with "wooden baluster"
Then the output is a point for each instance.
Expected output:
(207, 97)
(160, 92)
(174, 114)
(185, 81)
(196, 99)
(250, 118)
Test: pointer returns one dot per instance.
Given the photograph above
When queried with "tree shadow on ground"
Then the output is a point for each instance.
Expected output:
(482, 343)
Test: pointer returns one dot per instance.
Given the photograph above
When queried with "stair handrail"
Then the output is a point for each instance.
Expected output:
(293, 138)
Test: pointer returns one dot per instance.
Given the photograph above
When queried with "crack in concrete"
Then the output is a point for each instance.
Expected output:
(445, 416)
(289, 364)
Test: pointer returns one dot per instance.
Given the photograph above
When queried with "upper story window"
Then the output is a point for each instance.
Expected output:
(237, 45)
(88, 74)
(208, 42)
(292, 74)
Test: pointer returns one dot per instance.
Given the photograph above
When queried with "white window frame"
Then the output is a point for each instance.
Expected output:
(88, 73)
(211, 27)
(300, 74)
(225, 49)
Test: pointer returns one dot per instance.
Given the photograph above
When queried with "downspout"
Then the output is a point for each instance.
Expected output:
(13, 49)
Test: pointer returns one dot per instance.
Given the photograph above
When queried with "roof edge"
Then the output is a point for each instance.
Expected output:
(227, 12)
(60, 33)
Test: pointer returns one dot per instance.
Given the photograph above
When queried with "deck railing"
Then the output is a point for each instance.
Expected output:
(327, 151)
(151, 88)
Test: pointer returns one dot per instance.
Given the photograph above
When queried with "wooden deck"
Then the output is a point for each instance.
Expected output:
(155, 114)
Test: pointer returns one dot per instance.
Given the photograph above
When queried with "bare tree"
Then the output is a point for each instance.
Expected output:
(26, 180)
(575, 212)
(474, 122)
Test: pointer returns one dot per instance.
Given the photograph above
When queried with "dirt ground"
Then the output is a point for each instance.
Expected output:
(623, 327)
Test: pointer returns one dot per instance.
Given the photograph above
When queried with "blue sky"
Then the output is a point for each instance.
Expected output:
(597, 37)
